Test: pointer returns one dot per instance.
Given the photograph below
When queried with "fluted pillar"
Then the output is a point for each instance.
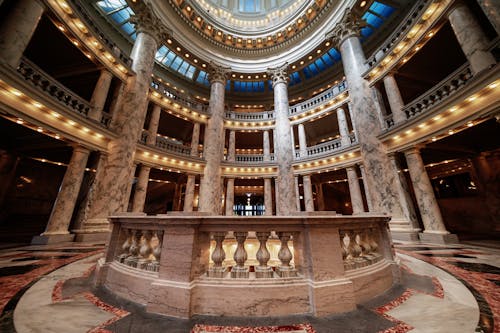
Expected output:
(283, 145)
(266, 146)
(229, 196)
(154, 122)
(100, 95)
(302, 141)
(384, 196)
(231, 149)
(395, 100)
(62, 211)
(308, 193)
(470, 36)
(492, 10)
(366, 188)
(343, 128)
(17, 28)
(349, 106)
(195, 139)
(268, 197)
(354, 190)
(141, 189)
(435, 229)
(189, 193)
(111, 190)
(213, 149)
(297, 192)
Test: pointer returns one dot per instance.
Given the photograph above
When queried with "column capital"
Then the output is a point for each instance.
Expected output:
(78, 147)
(349, 25)
(413, 150)
(279, 74)
(147, 22)
(218, 73)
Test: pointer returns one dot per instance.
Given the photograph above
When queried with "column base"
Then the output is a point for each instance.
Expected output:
(52, 239)
(263, 272)
(405, 235)
(427, 237)
(95, 230)
(240, 272)
(217, 272)
(286, 271)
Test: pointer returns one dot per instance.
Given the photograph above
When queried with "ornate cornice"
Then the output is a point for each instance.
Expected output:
(218, 73)
(147, 22)
(278, 74)
(350, 25)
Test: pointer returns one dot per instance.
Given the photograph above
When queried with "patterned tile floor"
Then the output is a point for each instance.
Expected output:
(443, 289)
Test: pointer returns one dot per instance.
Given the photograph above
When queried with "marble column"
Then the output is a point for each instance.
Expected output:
(141, 189)
(283, 152)
(213, 149)
(354, 190)
(229, 197)
(189, 193)
(62, 211)
(410, 224)
(266, 146)
(381, 112)
(366, 188)
(126, 197)
(176, 202)
(349, 106)
(154, 122)
(302, 141)
(111, 188)
(195, 139)
(435, 230)
(268, 197)
(384, 196)
(297, 192)
(320, 198)
(492, 10)
(100, 95)
(395, 100)
(231, 149)
(308, 193)
(345, 141)
(16, 29)
(470, 36)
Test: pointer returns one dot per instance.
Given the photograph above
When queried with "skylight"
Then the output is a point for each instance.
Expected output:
(171, 60)
(119, 12)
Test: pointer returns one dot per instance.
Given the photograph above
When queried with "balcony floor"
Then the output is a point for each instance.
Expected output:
(443, 289)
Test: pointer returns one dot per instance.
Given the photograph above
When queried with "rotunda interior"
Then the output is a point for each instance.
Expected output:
(275, 143)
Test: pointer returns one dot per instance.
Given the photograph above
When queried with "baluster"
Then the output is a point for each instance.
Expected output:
(134, 248)
(263, 256)
(145, 250)
(285, 256)
(372, 238)
(155, 263)
(218, 256)
(363, 258)
(125, 246)
(240, 256)
(344, 239)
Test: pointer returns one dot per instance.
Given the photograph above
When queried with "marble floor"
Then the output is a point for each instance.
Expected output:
(443, 289)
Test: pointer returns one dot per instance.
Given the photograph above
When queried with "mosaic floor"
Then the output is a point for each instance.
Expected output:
(443, 289)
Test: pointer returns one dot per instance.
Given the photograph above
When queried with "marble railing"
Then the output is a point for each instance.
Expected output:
(96, 31)
(359, 247)
(167, 144)
(319, 262)
(141, 249)
(249, 116)
(50, 86)
(388, 120)
(440, 92)
(106, 119)
(325, 147)
(399, 33)
(165, 91)
(318, 99)
(251, 158)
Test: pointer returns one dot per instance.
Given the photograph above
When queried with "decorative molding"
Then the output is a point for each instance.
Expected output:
(218, 73)
(147, 22)
(350, 25)
(279, 74)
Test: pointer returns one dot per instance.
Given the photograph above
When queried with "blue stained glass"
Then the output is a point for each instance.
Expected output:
(366, 31)
(372, 20)
(177, 62)
(183, 68)
(320, 64)
(327, 59)
(122, 15)
(381, 9)
(312, 67)
(128, 28)
(307, 73)
(160, 54)
(190, 72)
(110, 5)
(334, 54)
(228, 85)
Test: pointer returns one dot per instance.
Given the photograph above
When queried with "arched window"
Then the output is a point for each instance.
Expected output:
(249, 6)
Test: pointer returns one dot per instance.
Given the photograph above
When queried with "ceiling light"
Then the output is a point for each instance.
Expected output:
(362, 4)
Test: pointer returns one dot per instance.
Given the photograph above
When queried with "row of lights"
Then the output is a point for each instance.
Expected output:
(258, 42)
(90, 41)
(178, 110)
(171, 160)
(326, 161)
(441, 117)
(404, 46)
